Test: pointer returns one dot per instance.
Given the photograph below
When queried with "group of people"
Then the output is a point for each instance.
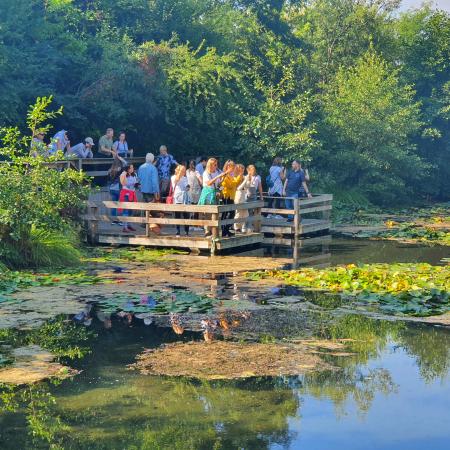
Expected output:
(107, 145)
(198, 182)
(202, 182)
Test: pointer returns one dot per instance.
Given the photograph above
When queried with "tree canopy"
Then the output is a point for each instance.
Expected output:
(358, 90)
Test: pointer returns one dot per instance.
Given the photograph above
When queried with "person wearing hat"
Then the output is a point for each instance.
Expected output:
(82, 150)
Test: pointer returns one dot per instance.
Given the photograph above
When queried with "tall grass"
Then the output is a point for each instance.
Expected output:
(43, 249)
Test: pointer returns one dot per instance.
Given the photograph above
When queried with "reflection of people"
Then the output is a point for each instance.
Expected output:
(105, 318)
(82, 150)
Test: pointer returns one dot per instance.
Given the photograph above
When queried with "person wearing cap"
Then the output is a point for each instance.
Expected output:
(295, 186)
(82, 150)
(149, 179)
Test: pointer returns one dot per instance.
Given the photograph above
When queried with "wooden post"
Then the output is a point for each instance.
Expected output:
(80, 164)
(297, 218)
(258, 219)
(326, 215)
(215, 228)
(147, 223)
(296, 231)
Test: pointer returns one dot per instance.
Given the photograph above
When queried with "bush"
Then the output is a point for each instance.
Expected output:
(35, 199)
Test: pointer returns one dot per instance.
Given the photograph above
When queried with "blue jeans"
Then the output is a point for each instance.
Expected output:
(115, 198)
(290, 202)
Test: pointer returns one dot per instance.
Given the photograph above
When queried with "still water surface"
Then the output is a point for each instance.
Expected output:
(391, 392)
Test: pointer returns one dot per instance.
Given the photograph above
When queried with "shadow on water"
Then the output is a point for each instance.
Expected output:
(392, 373)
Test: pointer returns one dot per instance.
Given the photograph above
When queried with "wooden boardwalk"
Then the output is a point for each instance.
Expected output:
(144, 217)
(273, 230)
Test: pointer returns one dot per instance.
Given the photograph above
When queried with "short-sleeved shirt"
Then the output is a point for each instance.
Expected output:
(199, 168)
(121, 148)
(180, 190)
(209, 176)
(275, 177)
(294, 182)
(130, 182)
(164, 163)
(105, 142)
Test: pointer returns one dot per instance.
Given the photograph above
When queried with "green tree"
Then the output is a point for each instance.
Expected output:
(370, 118)
(38, 203)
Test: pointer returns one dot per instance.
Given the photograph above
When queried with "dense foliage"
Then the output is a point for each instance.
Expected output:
(37, 202)
(355, 88)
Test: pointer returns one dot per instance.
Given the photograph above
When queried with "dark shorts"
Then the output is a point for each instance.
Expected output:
(148, 198)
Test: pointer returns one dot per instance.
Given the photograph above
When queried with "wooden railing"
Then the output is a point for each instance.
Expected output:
(94, 167)
(319, 203)
(211, 216)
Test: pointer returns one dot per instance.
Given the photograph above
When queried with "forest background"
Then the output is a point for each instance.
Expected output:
(356, 89)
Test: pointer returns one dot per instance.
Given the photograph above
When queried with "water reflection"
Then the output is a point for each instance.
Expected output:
(107, 406)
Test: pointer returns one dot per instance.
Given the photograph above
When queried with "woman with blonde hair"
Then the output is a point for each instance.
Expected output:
(230, 183)
(180, 189)
(248, 191)
(211, 182)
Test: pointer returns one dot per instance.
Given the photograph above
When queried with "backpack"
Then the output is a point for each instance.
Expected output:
(269, 182)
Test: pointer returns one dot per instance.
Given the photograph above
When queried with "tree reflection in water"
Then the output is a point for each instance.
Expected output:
(109, 407)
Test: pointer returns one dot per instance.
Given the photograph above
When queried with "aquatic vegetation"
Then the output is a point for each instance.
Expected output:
(122, 255)
(12, 281)
(163, 302)
(410, 232)
(415, 289)
(228, 360)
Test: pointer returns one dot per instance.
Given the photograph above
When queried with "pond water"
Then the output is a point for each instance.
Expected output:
(392, 392)
(389, 388)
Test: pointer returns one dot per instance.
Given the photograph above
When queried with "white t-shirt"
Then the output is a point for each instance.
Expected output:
(179, 189)
(209, 176)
